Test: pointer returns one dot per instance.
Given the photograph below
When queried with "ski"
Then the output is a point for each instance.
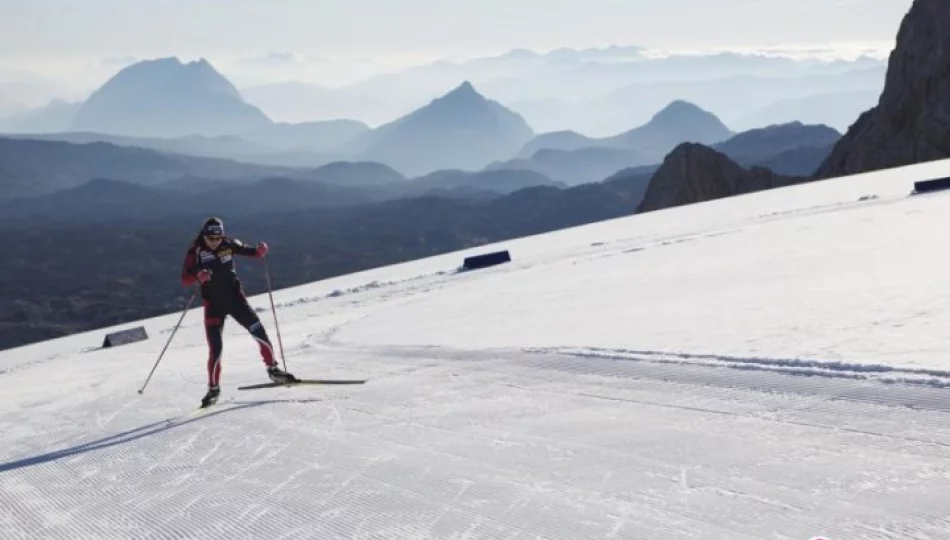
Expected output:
(195, 413)
(302, 382)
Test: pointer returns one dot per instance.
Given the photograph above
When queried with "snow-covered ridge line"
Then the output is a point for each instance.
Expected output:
(882, 373)
(335, 293)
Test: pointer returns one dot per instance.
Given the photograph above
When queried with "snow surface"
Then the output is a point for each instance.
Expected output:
(772, 366)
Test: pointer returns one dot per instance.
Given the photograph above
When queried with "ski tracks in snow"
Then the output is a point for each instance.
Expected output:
(880, 383)
(698, 442)
(560, 444)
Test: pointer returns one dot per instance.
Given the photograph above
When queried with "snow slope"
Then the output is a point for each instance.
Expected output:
(771, 366)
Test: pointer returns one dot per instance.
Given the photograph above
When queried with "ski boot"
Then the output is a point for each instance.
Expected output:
(211, 397)
(279, 376)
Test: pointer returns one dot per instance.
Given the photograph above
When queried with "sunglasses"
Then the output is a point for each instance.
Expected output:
(213, 237)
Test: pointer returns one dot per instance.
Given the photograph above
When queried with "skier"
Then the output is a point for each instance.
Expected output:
(209, 261)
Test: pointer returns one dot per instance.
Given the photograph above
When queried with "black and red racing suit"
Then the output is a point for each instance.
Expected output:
(223, 295)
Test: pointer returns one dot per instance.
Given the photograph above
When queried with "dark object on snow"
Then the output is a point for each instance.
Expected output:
(302, 382)
(486, 260)
(924, 186)
(125, 336)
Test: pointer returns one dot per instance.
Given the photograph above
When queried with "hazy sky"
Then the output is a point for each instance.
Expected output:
(56, 36)
(192, 27)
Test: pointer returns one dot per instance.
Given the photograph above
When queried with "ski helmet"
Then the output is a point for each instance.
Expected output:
(213, 226)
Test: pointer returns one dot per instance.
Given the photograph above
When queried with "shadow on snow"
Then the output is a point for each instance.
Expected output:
(135, 434)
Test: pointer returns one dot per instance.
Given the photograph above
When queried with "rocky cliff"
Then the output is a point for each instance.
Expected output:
(694, 173)
(911, 122)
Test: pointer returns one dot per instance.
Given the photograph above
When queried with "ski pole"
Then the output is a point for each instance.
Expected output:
(167, 343)
(274, 311)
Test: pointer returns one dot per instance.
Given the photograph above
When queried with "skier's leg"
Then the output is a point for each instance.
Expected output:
(214, 326)
(245, 316)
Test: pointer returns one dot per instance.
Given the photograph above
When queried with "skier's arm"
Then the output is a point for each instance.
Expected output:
(189, 270)
(240, 248)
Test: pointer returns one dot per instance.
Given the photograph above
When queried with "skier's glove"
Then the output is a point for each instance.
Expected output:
(262, 249)
(203, 276)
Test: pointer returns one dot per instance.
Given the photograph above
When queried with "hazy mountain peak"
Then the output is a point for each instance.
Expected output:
(167, 98)
(464, 93)
(794, 148)
(681, 115)
(460, 130)
(173, 72)
(169, 74)
(461, 104)
(520, 53)
(556, 140)
(821, 133)
(678, 111)
(680, 121)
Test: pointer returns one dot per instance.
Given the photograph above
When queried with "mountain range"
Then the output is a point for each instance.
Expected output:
(578, 90)
(564, 89)
(45, 164)
(677, 122)
(460, 130)
(599, 92)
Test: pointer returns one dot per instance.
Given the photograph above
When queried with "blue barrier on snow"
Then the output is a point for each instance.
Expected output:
(485, 260)
(123, 337)
(937, 184)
